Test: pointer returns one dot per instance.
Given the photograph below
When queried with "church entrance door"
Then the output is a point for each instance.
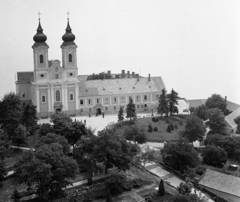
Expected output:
(99, 111)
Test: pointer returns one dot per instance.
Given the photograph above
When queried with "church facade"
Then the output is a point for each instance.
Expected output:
(53, 86)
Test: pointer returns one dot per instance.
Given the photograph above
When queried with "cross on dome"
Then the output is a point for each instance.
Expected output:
(68, 15)
(39, 15)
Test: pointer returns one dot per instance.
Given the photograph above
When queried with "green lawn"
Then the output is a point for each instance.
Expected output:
(162, 135)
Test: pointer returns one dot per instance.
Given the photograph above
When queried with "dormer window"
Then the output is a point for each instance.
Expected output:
(70, 58)
(41, 58)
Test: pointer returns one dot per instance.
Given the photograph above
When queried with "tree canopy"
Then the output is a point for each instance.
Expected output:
(60, 121)
(180, 155)
(131, 111)
(113, 150)
(214, 156)
(48, 168)
(101, 75)
(201, 112)
(216, 101)
(216, 121)
(194, 129)
(120, 115)
(136, 134)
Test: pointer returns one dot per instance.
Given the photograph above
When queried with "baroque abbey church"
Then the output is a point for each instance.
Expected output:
(53, 86)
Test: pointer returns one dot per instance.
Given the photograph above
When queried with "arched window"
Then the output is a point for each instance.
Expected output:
(41, 58)
(56, 76)
(71, 96)
(57, 95)
(70, 58)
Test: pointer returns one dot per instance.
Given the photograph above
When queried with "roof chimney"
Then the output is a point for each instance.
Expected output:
(137, 75)
(123, 73)
(133, 74)
(149, 77)
(128, 73)
(226, 98)
(109, 72)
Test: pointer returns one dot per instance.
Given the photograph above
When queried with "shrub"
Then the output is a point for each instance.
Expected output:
(171, 125)
(115, 182)
(137, 183)
(175, 126)
(150, 128)
(167, 121)
(169, 129)
(155, 128)
(155, 119)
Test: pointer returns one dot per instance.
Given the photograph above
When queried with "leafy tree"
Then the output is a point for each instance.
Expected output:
(194, 129)
(108, 197)
(11, 112)
(172, 102)
(216, 101)
(180, 155)
(214, 156)
(185, 187)
(120, 115)
(52, 138)
(48, 168)
(73, 132)
(113, 150)
(216, 121)
(131, 111)
(237, 120)
(212, 139)
(20, 135)
(188, 198)
(163, 107)
(4, 145)
(201, 112)
(60, 120)
(45, 128)
(136, 134)
(29, 116)
(83, 153)
(161, 189)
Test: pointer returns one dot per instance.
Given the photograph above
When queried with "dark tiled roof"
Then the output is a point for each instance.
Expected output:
(221, 182)
(120, 86)
(24, 77)
(232, 106)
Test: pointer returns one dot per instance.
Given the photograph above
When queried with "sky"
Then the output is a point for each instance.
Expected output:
(194, 45)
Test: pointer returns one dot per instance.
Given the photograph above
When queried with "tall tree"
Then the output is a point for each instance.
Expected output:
(216, 101)
(113, 150)
(29, 116)
(163, 107)
(216, 121)
(131, 111)
(172, 101)
(180, 155)
(20, 135)
(48, 168)
(73, 132)
(194, 129)
(120, 115)
(45, 128)
(3, 171)
(161, 189)
(60, 120)
(11, 112)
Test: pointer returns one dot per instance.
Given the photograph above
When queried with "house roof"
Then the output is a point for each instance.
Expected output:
(120, 86)
(230, 118)
(198, 102)
(221, 182)
(24, 77)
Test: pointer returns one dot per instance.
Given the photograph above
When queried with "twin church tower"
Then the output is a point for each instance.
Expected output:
(53, 87)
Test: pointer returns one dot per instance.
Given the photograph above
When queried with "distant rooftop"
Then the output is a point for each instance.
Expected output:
(24, 77)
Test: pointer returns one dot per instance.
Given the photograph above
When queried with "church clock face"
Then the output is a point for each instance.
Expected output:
(70, 50)
(41, 50)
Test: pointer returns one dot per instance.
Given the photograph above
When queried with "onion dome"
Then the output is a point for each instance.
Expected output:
(40, 37)
(68, 36)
